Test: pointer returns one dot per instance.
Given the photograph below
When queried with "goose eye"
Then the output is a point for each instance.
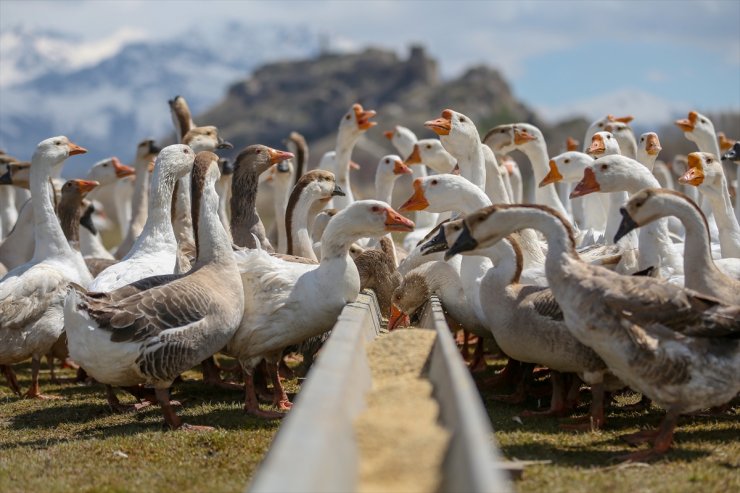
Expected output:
(601, 125)
(56, 143)
(186, 151)
(604, 167)
(642, 139)
(348, 117)
(434, 182)
(105, 165)
(375, 208)
(503, 131)
(703, 120)
(608, 136)
(429, 146)
(387, 161)
(566, 161)
(259, 151)
(462, 119)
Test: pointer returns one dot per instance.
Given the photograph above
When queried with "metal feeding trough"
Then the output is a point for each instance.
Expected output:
(315, 449)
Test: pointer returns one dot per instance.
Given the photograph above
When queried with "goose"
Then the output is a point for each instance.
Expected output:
(526, 321)
(153, 330)
(8, 210)
(146, 152)
(627, 141)
(515, 178)
(677, 346)
(377, 270)
(223, 188)
(17, 248)
(287, 302)
(528, 139)
(312, 192)
(281, 176)
(297, 145)
(598, 126)
(31, 295)
(352, 126)
(733, 154)
(246, 226)
(155, 250)
(402, 138)
(701, 272)
(706, 174)
(614, 173)
(431, 153)
(389, 169)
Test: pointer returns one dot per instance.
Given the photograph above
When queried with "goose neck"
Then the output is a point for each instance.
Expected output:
(698, 262)
(214, 244)
(244, 204)
(297, 227)
(722, 206)
(158, 232)
(69, 217)
(50, 240)
(140, 199)
(472, 165)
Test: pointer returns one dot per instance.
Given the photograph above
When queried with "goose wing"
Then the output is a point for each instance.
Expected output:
(25, 298)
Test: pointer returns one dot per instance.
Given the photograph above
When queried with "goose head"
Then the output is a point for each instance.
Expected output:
(55, 150)
(258, 158)
(431, 153)
(356, 121)
(146, 151)
(733, 154)
(456, 131)
(599, 124)
(205, 139)
(696, 127)
(372, 218)
(704, 171)
(407, 298)
(613, 173)
(680, 164)
(506, 138)
(624, 135)
(175, 160)
(78, 188)
(648, 148)
(181, 117)
(109, 170)
(439, 193)
(603, 144)
(645, 207)
(446, 235)
(402, 138)
(15, 173)
(567, 167)
(391, 167)
(318, 185)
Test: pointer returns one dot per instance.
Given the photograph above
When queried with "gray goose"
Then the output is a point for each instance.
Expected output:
(151, 331)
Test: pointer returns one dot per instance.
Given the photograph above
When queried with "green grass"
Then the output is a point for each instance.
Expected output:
(705, 456)
(78, 444)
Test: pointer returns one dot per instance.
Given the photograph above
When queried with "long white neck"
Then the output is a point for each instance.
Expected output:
(8, 212)
(495, 186)
(223, 188)
(281, 193)
(537, 154)
(504, 270)
(50, 240)
(346, 141)
(158, 234)
(472, 164)
(183, 224)
(214, 243)
(707, 142)
(139, 202)
(300, 238)
(614, 218)
(729, 230)
(384, 186)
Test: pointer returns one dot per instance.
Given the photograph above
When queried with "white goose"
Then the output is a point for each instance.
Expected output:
(287, 303)
(701, 272)
(281, 177)
(32, 294)
(152, 331)
(705, 173)
(678, 347)
(155, 250)
(598, 126)
(8, 210)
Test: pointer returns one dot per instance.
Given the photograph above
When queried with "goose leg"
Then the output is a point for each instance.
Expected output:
(171, 418)
(251, 404)
(280, 398)
(50, 363)
(520, 394)
(595, 420)
(212, 375)
(35, 391)
(478, 361)
(557, 402)
(11, 378)
(662, 441)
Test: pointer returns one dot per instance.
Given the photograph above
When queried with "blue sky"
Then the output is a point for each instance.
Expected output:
(559, 56)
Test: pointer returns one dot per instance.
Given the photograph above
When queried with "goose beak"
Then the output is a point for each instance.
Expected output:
(438, 243)
(150, 166)
(553, 176)
(400, 169)
(122, 170)
(337, 191)
(388, 134)
(86, 186)
(464, 243)
(623, 119)
(627, 224)
(278, 156)
(397, 319)
(597, 146)
(456, 170)
(417, 202)
(652, 146)
(440, 126)
(154, 148)
(732, 154)
(396, 222)
(75, 149)
(362, 117)
(687, 124)
(354, 165)
(414, 157)
(224, 144)
(227, 166)
(725, 144)
(695, 174)
(6, 178)
(522, 137)
(587, 185)
(571, 144)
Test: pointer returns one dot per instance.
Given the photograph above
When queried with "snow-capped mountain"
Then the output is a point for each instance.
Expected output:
(109, 94)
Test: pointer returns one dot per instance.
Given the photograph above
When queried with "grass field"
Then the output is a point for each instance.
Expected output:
(77, 444)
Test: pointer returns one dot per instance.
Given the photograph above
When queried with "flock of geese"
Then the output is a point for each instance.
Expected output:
(622, 272)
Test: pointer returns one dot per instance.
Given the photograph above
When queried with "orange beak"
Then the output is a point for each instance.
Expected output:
(456, 170)
(688, 124)
(122, 170)
(400, 169)
(362, 117)
(522, 137)
(75, 149)
(695, 174)
(597, 146)
(725, 144)
(571, 144)
(86, 186)
(151, 165)
(587, 185)
(509, 165)
(442, 125)
(388, 134)
(623, 119)
(397, 319)
(652, 146)
(396, 222)
(417, 202)
(415, 157)
(278, 156)
(553, 176)
(354, 165)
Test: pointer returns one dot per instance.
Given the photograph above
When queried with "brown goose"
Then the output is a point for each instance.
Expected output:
(155, 329)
